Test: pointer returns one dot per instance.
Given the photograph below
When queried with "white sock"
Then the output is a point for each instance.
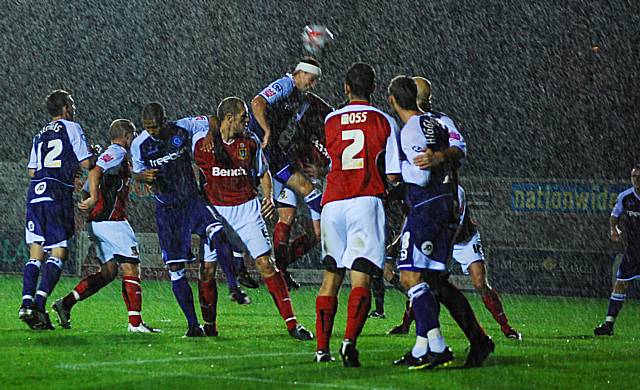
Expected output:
(436, 340)
(421, 347)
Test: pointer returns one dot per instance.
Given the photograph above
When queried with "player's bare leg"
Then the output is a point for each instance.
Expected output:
(208, 296)
(492, 302)
(326, 308)
(29, 284)
(278, 289)
(303, 186)
(618, 296)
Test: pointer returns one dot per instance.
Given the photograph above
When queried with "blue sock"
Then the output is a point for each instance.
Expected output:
(184, 296)
(224, 254)
(313, 201)
(425, 308)
(238, 260)
(29, 281)
(615, 304)
(50, 275)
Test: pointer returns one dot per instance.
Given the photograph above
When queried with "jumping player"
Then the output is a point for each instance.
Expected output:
(307, 152)
(108, 192)
(273, 109)
(56, 152)
(353, 220)
(231, 171)
(625, 227)
(161, 157)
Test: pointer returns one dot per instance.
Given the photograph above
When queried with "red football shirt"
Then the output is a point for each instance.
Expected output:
(356, 135)
(236, 184)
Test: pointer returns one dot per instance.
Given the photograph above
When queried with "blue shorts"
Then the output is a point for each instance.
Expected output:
(50, 222)
(629, 268)
(425, 243)
(177, 222)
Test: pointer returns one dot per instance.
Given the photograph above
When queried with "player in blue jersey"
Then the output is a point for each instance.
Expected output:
(625, 227)
(161, 157)
(274, 108)
(449, 295)
(425, 239)
(56, 153)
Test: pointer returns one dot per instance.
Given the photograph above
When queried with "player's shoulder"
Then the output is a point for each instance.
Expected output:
(140, 139)
(626, 193)
(113, 153)
(282, 86)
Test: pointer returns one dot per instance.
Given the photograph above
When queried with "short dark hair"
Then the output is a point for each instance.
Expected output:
(361, 79)
(120, 128)
(230, 105)
(153, 113)
(56, 101)
(405, 91)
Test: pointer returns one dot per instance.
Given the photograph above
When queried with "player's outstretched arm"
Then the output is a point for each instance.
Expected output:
(259, 107)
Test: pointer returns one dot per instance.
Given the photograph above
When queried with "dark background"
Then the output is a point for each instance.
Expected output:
(541, 90)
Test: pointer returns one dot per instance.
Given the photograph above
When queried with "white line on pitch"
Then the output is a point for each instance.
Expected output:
(78, 366)
(240, 378)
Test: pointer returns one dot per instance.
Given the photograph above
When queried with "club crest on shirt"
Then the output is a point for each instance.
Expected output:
(243, 152)
(176, 141)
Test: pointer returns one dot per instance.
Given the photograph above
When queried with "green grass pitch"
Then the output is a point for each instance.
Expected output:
(254, 351)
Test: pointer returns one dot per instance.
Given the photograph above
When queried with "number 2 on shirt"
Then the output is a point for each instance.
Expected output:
(349, 159)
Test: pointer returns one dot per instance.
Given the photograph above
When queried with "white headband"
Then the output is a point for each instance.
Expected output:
(309, 68)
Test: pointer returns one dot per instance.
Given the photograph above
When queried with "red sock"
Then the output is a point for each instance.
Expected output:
(208, 294)
(300, 246)
(281, 242)
(132, 294)
(84, 289)
(493, 304)
(326, 307)
(357, 311)
(278, 290)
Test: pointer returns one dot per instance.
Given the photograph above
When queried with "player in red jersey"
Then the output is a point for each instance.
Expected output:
(116, 244)
(231, 171)
(352, 221)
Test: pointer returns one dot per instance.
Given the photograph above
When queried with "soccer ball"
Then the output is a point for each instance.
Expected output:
(315, 38)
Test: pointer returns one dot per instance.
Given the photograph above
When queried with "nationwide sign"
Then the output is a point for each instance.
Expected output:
(564, 197)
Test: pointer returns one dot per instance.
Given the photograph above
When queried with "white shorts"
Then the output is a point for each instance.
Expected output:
(353, 228)
(113, 238)
(287, 197)
(245, 223)
(468, 252)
